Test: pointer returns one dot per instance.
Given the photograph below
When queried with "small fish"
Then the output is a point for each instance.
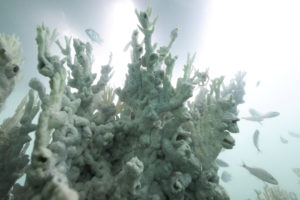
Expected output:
(127, 46)
(283, 140)
(255, 140)
(261, 174)
(297, 171)
(226, 177)
(270, 114)
(257, 117)
(221, 163)
(94, 36)
(257, 83)
(297, 135)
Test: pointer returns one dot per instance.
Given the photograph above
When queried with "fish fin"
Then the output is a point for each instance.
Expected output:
(259, 151)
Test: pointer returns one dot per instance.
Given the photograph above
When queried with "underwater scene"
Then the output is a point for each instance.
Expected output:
(149, 100)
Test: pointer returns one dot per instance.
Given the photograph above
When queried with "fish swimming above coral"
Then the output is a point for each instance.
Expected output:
(297, 135)
(261, 174)
(255, 140)
(94, 36)
(283, 140)
(257, 117)
(226, 177)
(221, 163)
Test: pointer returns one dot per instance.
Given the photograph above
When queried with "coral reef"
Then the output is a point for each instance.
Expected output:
(149, 145)
(275, 193)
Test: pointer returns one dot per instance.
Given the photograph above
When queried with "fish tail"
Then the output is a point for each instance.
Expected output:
(259, 151)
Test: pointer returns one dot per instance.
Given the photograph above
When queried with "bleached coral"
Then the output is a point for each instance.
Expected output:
(10, 63)
(10, 49)
(275, 193)
(150, 146)
(14, 141)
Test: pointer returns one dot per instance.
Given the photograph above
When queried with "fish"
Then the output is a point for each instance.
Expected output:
(297, 171)
(255, 140)
(127, 46)
(271, 114)
(226, 177)
(257, 83)
(283, 140)
(261, 174)
(297, 135)
(221, 163)
(257, 117)
(93, 35)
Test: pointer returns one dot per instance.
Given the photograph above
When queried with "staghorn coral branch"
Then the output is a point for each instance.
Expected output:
(15, 130)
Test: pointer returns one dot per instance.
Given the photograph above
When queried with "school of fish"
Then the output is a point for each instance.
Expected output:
(258, 172)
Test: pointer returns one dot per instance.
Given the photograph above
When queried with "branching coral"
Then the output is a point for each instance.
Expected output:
(149, 147)
(10, 62)
(275, 193)
(214, 117)
(14, 141)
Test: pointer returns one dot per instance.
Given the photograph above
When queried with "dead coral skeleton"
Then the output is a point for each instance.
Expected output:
(275, 193)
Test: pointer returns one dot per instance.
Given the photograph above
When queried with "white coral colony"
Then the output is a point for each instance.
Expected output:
(150, 145)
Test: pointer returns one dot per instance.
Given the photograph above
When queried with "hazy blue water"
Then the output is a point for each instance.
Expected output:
(260, 37)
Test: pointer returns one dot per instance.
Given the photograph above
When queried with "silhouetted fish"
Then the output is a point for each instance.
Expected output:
(257, 117)
(222, 163)
(93, 35)
(270, 114)
(283, 140)
(297, 171)
(255, 139)
(127, 46)
(226, 177)
(261, 174)
(257, 83)
(297, 135)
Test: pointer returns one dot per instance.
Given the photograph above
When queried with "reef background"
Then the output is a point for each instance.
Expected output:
(265, 44)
